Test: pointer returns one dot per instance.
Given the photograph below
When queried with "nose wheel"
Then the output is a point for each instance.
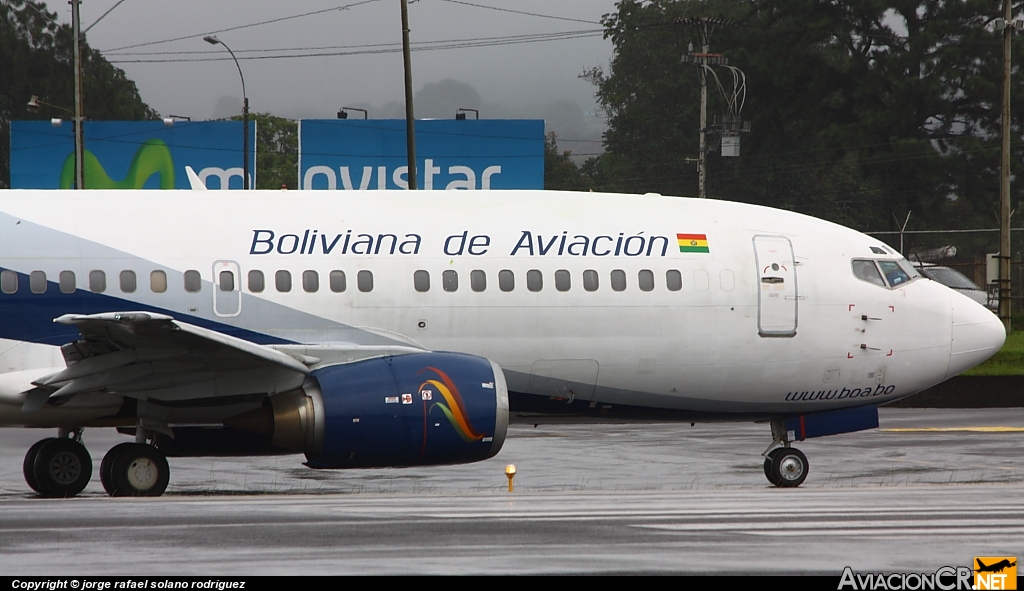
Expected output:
(786, 467)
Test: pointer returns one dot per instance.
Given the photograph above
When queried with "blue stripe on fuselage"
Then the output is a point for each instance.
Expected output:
(27, 316)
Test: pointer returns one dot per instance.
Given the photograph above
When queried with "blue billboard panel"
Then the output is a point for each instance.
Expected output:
(470, 154)
(130, 154)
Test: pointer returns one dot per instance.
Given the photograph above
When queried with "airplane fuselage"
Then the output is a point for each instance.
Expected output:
(599, 301)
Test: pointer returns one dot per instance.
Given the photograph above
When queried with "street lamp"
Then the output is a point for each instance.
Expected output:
(213, 40)
(33, 107)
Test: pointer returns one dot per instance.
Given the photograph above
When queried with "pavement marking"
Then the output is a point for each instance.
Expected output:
(954, 429)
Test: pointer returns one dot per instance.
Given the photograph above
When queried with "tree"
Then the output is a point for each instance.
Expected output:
(36, 58)
(853, 119)
(277, 149)
(560, 172)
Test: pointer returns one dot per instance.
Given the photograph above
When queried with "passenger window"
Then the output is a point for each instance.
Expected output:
(619, 280)
(67, 282)
(157, 281)
(128, 282)
(193, 281)
(364, 279)
(893, 273)
(701, 280)
(338, 281)
(256, 283)
(310, 281)
(450, 280)
(506, 280)
(866, 271)
(283, 281)
(534, 280)
(478, 280)
(8, 281)
(562, 280)
(37, 281)
(590, 280)
(421, 281)
(646, 279)
(97, 281)
(727, 280)
(674, 280)
(226, 281)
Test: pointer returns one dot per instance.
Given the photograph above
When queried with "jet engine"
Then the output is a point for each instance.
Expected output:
(406, 410)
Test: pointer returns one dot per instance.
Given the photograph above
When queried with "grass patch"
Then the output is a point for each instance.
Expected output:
(1009, 361)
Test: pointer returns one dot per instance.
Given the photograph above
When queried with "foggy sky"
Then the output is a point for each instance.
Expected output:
(536, 80)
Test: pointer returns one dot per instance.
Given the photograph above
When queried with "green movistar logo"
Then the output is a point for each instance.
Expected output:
(153, 157)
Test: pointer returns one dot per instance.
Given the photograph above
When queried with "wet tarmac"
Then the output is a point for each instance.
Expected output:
(930, 488)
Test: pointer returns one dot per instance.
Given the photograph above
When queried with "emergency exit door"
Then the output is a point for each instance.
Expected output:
(227, 291)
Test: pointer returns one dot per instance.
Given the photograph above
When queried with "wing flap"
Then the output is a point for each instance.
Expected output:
(155, 356)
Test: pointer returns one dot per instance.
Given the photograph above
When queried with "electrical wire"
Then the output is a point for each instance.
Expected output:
(247, 26)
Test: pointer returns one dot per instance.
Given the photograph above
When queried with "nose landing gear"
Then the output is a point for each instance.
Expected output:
(784, 466)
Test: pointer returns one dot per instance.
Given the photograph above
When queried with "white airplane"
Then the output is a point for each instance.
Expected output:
(371, 329)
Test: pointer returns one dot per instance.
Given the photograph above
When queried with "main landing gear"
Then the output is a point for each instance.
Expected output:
(61, 466)
(784, 466)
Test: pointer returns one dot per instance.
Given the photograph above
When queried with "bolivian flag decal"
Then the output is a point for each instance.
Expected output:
(693, 242)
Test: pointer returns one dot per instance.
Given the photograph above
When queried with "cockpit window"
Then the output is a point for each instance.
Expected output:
(894, 274)
(867, 271)
(909, 268)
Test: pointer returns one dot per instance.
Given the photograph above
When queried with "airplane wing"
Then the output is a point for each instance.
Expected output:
(154, 356)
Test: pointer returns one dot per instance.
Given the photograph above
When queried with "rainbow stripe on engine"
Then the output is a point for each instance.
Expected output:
(455, 409)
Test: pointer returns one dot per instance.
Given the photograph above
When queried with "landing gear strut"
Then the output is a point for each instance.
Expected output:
(58, 467)
(784, 466)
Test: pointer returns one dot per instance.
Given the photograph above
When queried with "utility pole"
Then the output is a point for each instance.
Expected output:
(1005, 311)
(76, 27)
(410, 118)
(703, 60)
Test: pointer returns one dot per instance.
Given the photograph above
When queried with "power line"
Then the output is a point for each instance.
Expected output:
(261, 23)
(538, 36)
(560, 18)
(369, 51)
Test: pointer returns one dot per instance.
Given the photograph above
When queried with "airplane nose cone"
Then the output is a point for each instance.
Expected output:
(977, 335)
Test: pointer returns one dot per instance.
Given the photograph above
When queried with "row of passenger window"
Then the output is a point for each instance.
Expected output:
(193, 283)
(128, 281)
(535, 280)
(68, 283)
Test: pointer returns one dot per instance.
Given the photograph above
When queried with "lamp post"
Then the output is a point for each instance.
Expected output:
(33, 106)
(213, 40)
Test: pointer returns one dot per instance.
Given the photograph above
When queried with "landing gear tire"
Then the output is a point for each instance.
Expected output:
(107, 467)
(768, 466)
(135, 470)
(62, 468)
(28, 467)
(788, 467)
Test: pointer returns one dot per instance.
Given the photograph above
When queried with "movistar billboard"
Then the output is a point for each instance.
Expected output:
(130, 154)
(450, 154)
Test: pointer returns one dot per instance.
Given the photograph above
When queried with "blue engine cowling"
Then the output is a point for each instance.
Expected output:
(408, 410)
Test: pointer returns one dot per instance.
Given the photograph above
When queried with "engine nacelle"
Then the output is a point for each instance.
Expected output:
(409, 410)
(406, 410)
